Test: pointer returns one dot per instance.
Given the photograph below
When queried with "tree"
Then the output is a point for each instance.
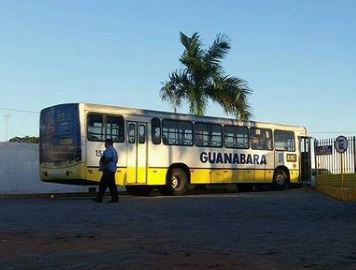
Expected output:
(203, 79)
(26, 139)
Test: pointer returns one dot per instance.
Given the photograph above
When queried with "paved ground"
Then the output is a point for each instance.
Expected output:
(295, 229)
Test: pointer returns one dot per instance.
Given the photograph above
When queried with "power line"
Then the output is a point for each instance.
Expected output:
(17, 110)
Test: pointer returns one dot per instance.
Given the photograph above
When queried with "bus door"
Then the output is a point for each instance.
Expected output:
(136, 153)
(306, 160)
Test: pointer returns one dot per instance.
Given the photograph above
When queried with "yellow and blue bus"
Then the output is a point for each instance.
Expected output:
(164, 150)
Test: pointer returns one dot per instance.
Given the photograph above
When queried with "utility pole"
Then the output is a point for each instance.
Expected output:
(7, 116)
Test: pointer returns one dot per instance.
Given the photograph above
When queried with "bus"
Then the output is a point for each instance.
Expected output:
(168, 151)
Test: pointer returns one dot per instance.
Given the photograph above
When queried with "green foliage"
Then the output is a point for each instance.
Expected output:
(26, 139)
(203, 79)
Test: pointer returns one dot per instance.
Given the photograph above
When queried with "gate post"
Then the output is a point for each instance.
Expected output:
(316, 142)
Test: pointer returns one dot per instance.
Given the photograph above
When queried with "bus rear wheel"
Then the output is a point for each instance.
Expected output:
(177, 182)
(280, 179)
(138, 190)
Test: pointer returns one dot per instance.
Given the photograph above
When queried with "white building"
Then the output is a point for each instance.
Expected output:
(19, 172)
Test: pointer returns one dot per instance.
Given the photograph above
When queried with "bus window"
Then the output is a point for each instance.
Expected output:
(101, 127)
(284, 140)
(131, 133)
(115, 128)
(141, 134)
(96, 127)
(177, 132)
(60, 138)
(206, 134)
(261, 139)
(236, 137)
(156, 130)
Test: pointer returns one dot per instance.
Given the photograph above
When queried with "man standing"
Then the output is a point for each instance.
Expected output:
(108, 166)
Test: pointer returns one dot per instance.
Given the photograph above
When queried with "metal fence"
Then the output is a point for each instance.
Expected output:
(329, 161)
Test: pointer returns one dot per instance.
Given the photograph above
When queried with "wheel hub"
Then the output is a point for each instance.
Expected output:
(280, 180)
(175, 181)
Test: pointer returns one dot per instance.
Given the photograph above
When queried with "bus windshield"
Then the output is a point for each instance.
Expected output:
(60, 134)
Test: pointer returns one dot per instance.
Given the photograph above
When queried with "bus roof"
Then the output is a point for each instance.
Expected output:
(182, 116)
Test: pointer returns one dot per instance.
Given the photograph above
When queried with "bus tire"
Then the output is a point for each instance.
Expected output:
(177, 182)
(138, 190)
(280, 179)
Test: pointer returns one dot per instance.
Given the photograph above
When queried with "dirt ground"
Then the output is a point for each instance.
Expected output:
(295, 229)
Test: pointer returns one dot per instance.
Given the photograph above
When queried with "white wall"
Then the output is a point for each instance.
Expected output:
(19, 171)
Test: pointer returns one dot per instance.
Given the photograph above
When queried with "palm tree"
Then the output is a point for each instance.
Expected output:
(203, 79)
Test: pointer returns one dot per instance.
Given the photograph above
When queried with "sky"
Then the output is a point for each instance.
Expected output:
(298, 57)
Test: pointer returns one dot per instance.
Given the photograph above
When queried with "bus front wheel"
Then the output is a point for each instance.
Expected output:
(177, 182)
(280, 179)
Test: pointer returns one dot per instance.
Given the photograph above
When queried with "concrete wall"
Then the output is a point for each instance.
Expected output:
(19, 171)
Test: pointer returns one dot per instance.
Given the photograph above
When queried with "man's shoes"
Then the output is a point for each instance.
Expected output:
(113, 201)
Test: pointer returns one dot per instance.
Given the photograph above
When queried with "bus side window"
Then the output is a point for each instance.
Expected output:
(261, 139)
(207, 134)
(142, 134)
(177, 132)
(164, 138)
(131, 133)
(95, 129)
(115, 128)
(236, 137)
(156, 130)
(284, 140)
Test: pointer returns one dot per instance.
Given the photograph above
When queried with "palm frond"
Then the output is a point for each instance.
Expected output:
(231, 93)
(203, 79)
(172, 90)
(197, 101)
(218, 50)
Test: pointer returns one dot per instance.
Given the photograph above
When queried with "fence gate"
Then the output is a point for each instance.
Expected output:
(335, 167)
(329, 161)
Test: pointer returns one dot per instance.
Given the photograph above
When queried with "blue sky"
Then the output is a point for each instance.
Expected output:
(299, 57)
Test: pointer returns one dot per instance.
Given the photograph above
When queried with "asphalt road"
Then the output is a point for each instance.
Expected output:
(295, 229)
